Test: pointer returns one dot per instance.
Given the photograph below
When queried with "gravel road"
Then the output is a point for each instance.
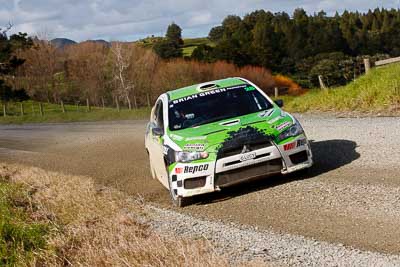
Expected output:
(346, 211)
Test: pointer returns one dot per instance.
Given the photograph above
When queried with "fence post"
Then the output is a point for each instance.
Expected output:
(4, 109)
(40, 108)
(135, 102)
(87, 105)
(367, 64)
(117, 103)
(321, 82)
(148, 99)
(21, 105)
(276, 89)
(62, 106)
(102, 102)
(33, 109)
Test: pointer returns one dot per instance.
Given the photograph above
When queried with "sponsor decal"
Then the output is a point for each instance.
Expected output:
(301, 142)
(189, 116)
(176, 137)
(207, 93)
(266, 113)
(250, 88)
(248, 156)
(283, 125)
(277, 118)
(194, 147)
(289, 146)
(192, 169)
(196, 138)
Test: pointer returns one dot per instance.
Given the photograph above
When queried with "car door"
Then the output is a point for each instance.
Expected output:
(157, 143)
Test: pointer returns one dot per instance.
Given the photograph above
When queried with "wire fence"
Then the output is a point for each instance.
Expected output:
(33, 108)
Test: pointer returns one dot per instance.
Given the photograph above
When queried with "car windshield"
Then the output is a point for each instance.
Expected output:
(215, 105)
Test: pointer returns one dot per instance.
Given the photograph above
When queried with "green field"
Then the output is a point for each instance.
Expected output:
(379, 91)
(53, 113)
(190, 44)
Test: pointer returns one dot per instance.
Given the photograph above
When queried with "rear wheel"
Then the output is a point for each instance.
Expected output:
(177, 201)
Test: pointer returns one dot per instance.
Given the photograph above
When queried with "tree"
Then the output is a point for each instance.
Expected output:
(216, 33)
(9, 62)
(170, 47)
(41, 80)
(230, 24)
(202, 52)
(85, 67)
(121, 63)
(174, 34)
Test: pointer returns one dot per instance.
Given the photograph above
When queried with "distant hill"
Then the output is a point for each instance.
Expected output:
(189, 43)
(62, 42)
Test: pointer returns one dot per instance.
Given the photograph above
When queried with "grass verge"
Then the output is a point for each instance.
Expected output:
(378, 91)
(22, 232)
(99, 226)
(53, 113)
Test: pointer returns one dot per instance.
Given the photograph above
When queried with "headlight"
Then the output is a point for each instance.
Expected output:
(184, 157)
(294, 130)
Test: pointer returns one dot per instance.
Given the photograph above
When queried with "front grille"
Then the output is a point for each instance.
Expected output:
(241, 174)
(232, 151)
(299, 157)
(195, 182)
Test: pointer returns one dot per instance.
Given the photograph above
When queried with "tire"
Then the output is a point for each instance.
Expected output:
(177, 201)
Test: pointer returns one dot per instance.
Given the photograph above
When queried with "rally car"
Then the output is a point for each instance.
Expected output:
(205, 137)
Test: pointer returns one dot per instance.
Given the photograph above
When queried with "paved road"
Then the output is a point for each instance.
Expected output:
(351, 196)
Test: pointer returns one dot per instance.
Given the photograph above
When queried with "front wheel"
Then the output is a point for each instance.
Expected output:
(177, 201)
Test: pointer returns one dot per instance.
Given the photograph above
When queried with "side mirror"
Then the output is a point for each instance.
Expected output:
(157, 131)
(279, 102)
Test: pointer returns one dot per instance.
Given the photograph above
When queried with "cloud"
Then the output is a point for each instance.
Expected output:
(133, 19)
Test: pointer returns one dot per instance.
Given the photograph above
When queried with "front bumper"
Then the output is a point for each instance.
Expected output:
(200, 178)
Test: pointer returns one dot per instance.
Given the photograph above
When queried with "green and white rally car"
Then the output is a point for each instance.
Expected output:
(205, 137)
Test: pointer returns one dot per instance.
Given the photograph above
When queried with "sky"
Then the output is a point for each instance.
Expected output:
(128, 20)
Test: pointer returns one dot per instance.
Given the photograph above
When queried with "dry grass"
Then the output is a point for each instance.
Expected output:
(101, 226)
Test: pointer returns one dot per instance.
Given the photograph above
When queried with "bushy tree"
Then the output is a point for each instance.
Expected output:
(203, 53)
(216, 33)
(167, 49)
(174, 34)
(9, 62)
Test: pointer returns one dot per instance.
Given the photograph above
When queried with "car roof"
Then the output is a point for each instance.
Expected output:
(194, 89)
